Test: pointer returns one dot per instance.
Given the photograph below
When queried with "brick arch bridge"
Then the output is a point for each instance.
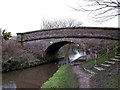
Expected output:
(91, 38)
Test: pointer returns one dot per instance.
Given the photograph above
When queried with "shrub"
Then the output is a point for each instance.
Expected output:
(13, 49)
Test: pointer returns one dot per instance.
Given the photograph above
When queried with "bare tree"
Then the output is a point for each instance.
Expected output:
(102, 10)
(47, 24)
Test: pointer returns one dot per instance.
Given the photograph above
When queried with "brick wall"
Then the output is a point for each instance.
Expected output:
(93, 38)
(81, 32)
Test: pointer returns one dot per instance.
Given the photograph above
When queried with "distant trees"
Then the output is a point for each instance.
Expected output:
(101, 10)
(47, 24)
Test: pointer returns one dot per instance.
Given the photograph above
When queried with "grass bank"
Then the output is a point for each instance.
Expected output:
(106, 79)
(63, 78)
(91, 63)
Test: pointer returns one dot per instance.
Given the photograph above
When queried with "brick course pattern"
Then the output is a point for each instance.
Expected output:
(91, 37)
(108, 33)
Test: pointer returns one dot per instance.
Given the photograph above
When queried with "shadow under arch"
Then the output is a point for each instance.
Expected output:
(51, 52)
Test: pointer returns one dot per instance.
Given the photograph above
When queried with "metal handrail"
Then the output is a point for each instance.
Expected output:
(107, 47)
(108, 51)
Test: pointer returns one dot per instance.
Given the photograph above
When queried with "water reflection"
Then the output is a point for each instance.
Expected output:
(77, 55)
(71, 52)
(9, 85)
(36, 76)
(29, 78)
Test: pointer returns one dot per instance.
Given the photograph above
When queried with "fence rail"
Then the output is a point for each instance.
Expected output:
(109, 52)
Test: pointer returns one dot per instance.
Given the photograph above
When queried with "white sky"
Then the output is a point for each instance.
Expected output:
(26, 15)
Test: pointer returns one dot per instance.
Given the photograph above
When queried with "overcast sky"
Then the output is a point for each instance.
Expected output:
(27, 15)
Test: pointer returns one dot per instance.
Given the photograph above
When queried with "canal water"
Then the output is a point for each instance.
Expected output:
(29, 78)
(34, 77)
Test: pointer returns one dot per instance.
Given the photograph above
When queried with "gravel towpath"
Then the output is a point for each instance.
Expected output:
(83, 78)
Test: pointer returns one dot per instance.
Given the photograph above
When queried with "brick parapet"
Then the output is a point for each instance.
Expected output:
(78, 32)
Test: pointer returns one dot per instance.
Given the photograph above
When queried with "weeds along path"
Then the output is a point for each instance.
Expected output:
(83, 78)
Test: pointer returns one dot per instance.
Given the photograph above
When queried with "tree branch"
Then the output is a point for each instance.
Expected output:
(102, 7)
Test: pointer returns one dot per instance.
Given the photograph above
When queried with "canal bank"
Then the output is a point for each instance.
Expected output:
(108, 78)
(63, 78)
(16, 57)
(13, 65)
(23, 58)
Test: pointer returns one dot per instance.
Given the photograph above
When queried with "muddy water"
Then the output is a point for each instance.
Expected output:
(36, 76)
(29, 78)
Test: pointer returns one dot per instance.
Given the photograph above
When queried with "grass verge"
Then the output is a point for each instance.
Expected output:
(91, 63)
(106, 79)
(63, 78)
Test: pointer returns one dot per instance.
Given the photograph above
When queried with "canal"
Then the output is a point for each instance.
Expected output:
(29, 78)
(35, 77)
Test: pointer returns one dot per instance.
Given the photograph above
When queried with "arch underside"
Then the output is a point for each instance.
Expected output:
(52, 50)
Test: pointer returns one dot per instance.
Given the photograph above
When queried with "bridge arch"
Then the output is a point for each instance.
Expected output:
(52, 50)
(93, 38)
